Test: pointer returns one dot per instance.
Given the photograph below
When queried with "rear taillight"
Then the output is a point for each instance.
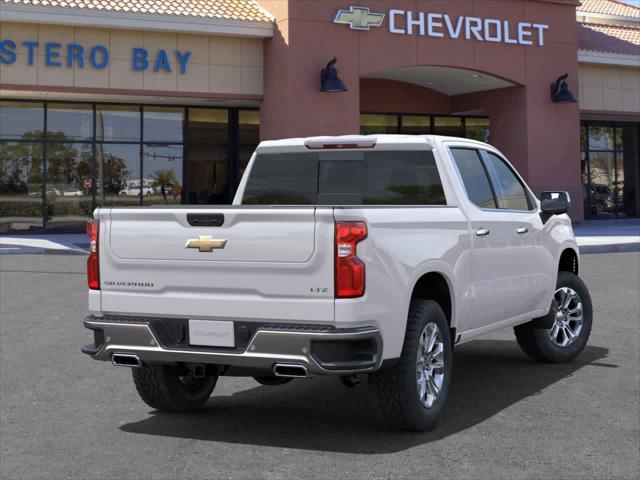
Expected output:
(349, 268)
(93, 262)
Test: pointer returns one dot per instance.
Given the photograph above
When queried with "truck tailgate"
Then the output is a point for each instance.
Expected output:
(273, 264)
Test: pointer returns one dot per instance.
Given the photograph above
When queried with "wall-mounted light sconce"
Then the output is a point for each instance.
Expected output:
(560, 92)
(329, 80)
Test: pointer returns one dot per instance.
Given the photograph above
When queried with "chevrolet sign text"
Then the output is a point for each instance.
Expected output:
(441, 25)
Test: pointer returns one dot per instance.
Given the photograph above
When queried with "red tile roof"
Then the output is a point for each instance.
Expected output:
(223, 9)
(609, 7)
(609, 38)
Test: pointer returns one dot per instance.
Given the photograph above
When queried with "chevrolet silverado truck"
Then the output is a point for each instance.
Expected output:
(345, 256)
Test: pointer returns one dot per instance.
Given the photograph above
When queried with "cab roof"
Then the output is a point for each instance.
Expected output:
(357, 142)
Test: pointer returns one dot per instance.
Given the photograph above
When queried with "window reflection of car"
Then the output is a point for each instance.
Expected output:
(50, 191)
(72, 192)
(133, 191)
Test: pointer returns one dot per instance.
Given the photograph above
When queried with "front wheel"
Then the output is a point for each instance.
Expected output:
(561, 335)
(411, 394)
(172, 388)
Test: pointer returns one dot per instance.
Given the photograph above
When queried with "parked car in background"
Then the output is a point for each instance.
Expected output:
(340, 256)
(50, 191)
(72, 192)
(132, 188)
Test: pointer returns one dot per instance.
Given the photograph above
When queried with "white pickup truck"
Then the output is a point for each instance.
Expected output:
(340, 256)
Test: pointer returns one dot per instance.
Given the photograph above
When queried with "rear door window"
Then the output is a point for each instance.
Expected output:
(474, 177)
(345, 178)
(510, 192)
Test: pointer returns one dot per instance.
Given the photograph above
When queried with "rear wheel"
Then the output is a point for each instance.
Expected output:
(411, 394)
(562, 335)
(172, 388)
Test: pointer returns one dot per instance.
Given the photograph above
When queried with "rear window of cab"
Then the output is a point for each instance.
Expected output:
(345, 178)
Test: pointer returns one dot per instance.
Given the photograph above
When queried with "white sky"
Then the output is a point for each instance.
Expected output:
(635, 3)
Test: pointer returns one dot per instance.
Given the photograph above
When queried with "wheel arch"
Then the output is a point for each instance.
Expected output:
(569, 261)
(435, 285)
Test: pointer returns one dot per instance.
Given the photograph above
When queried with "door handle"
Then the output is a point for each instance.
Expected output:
(522, 230)
(483, 232)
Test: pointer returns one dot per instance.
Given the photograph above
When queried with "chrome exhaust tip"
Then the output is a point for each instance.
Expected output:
(126, 360)
(290, 371)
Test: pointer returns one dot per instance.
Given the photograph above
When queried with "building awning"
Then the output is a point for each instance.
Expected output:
(223, 17)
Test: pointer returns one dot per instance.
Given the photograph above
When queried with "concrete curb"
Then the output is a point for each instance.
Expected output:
(618, 248)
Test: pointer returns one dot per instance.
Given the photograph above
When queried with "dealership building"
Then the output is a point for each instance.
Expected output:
(139, 102)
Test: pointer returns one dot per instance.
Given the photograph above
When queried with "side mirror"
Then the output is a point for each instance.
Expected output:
(555, 203)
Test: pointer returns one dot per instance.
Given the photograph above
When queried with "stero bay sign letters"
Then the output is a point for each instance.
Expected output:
(442, 25)
(96, 56)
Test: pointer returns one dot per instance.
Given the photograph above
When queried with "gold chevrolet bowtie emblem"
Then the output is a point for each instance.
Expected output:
(205, 243)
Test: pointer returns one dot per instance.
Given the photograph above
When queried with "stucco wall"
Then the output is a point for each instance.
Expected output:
(608, 88)
(378, 95)
(220, 65)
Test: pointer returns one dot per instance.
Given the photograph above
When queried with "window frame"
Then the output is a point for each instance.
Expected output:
(525, 188)
(481, 151)
(459, 174)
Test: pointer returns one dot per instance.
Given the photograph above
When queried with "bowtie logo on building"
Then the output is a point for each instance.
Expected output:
(359, 18)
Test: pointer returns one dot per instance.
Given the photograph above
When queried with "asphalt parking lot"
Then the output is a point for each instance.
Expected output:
(66, 416)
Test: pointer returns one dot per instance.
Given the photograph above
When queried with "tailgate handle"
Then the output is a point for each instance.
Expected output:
(205, 219)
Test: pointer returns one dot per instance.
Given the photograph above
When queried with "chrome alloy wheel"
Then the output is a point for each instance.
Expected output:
(568, 322)
(430, 365)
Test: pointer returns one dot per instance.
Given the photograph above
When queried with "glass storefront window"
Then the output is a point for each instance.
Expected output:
(601, 138)
(21, 185)
(416, 124)
(162, 169)
(118, 174)
(69, 170)
(449, 126)
(67, 122)
(118, 123)
(163, 124)
(21, 120)
(477, 129)
(109, 154)
(371, 124)
(248, 137)
(207, 156)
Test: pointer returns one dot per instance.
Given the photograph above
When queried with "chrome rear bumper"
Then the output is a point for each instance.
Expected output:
(321, 350)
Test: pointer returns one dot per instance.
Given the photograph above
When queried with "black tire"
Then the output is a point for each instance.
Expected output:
(167, 388)
(394, 391)
(534, 337)
(272, 380)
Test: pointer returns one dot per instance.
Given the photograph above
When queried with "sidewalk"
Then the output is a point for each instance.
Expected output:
(602, 236)
(594, 236)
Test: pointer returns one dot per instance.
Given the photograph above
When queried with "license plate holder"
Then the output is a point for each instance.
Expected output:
(211, 333)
